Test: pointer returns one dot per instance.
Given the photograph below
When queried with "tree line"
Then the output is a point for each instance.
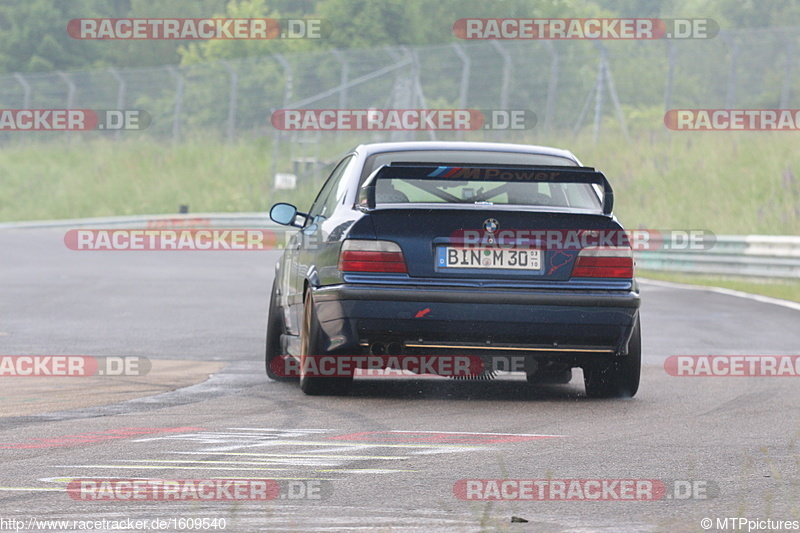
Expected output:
(33, 35)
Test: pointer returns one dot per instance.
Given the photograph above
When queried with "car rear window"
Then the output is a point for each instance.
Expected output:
(416, 191)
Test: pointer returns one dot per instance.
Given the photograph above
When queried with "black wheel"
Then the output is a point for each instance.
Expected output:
(275, 328)
(617, 377)
(310, 344)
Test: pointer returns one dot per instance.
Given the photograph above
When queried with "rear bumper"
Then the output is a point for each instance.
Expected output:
(425, 319)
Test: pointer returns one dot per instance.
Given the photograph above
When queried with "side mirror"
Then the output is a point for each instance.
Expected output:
(284, 214)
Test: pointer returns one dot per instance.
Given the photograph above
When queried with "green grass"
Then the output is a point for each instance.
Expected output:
(104, 178)
(783, 289)
(726, 182)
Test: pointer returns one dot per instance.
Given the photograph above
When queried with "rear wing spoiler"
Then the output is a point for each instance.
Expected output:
(499, 173)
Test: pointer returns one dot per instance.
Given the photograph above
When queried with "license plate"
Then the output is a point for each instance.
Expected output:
(490, 258)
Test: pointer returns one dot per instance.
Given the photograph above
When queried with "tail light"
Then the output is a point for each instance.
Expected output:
(371, 256)
(604, 262)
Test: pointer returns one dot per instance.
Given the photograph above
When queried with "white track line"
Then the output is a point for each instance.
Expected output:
(720, 290)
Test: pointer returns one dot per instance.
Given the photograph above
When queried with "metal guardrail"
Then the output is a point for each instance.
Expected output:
(737, 255)
(749, 255)
(165, 222)
(194, 220)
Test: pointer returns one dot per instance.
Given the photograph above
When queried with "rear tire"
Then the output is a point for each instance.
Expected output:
(311, 344)
(275, 328)
(617, 377)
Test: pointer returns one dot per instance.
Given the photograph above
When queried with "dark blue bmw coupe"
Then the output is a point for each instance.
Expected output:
(496, 252)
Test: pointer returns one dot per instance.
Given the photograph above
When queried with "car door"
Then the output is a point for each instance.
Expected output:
(307, 245)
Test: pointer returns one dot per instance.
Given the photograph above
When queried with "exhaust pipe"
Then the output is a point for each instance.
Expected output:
(377, 348)
(394, 348)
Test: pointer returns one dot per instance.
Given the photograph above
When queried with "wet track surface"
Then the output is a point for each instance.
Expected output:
(386, 457)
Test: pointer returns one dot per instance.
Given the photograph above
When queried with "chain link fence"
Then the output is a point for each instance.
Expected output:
(569, 85)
